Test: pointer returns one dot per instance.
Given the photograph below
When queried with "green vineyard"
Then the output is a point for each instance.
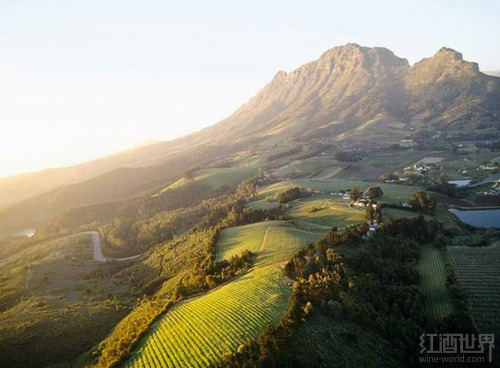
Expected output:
(478, 272)
(433, 283)
(198, 332)
(273, 241)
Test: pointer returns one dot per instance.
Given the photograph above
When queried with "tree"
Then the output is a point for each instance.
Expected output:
(423, 201)
(378, 215)
(355, 194)
(369, 214)
(211, 281)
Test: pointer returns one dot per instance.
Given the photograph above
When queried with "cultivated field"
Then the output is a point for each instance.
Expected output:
(433, 283)
(273, 241)
(198, 332)
(478, 271)
(392, 192)
(322, 210)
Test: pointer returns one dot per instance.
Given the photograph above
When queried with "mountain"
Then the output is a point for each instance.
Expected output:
(450, 89)
(347, 92)
(350, 85)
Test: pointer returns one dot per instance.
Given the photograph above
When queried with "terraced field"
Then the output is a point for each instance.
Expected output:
(198, 332)
(433, 283)
(478, 271)
(273, 241)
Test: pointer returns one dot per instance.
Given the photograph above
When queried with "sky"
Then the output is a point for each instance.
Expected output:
(80, 79)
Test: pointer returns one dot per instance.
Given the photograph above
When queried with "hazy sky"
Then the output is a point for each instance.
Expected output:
(80, 79)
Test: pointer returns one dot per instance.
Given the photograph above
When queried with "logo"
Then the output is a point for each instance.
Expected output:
(456, 348)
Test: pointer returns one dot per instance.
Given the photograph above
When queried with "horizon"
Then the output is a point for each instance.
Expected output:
(86, 81)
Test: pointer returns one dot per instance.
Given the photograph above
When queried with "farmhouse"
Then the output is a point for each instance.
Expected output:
(362, 202)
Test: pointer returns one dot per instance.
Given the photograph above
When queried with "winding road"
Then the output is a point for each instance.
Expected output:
(98, 256)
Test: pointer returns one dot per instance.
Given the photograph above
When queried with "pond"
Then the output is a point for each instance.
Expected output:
(460, 182)
(479, 218)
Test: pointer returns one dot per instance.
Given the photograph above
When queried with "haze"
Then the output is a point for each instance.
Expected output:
(82, 79)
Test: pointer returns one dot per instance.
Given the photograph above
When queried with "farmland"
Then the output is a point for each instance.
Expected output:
(198, 332)
(273, 241)
(433, 283)
(477, 270)
(322, 210)
(393, 193)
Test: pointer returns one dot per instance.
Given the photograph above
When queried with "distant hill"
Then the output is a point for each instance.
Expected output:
(16, 188)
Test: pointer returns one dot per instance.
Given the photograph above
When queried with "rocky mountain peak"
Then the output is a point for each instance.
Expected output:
(353, 54)
(446, 52)
(351, 85)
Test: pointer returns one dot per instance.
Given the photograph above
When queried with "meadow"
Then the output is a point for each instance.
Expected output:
(51, 294)
(198, 332)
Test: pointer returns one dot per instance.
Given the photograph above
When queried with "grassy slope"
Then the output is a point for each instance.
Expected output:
(218, 177)
(433, 283)
(199, 331)
(64, 311)
(273, 241)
